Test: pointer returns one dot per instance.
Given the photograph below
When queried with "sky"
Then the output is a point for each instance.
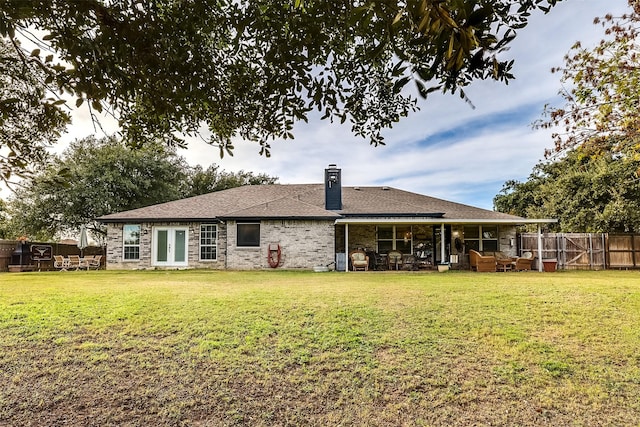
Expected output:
(447, 149)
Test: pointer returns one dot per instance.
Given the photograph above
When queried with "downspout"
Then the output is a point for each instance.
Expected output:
(442, 245)
(226, 243)
(539, 249)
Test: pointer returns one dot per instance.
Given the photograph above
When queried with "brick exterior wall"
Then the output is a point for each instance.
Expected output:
(361, 237)
(508, 234)
(304, 244)
(115, 259)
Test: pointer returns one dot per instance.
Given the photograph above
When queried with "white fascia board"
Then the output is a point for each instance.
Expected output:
(442, 221)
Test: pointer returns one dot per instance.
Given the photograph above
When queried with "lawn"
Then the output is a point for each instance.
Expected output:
(299, 348)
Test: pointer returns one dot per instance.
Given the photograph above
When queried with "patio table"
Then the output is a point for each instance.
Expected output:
(504, 265)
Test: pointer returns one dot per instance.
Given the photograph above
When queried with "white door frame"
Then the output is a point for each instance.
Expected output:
(171, 246)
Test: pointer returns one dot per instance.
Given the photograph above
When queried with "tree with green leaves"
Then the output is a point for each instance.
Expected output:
(30, 120)
(592, 180)
(600, 88)
(95, 177)
(203, 181)
(590, 189)
(250, 69)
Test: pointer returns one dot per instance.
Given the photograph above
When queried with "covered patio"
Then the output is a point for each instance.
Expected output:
(424, 243)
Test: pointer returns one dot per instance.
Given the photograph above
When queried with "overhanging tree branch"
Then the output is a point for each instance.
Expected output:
(250, 69)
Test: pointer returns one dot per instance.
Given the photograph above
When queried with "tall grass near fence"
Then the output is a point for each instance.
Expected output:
(298, 348)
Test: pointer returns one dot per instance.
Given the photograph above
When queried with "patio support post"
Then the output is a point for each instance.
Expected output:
(346, 248)
(539, 249)
(442, 244)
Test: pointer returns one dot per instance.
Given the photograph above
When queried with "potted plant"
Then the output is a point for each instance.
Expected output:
(549, 265)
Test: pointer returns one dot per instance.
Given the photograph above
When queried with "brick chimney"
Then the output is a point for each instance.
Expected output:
(332, 188)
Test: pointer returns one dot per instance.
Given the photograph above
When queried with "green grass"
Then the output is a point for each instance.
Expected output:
(298, 348)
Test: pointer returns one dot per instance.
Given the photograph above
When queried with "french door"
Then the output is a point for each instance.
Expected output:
(170, 246)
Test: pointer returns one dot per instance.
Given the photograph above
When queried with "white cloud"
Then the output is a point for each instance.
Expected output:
(473, 164)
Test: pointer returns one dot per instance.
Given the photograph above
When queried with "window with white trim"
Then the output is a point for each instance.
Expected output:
(208, 242)
(131, 242)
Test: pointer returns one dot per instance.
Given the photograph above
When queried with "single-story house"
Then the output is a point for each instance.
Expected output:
(302, 226)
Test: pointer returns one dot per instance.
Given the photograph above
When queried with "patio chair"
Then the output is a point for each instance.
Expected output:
(74, 262)
(423, 258)
(84, 262)
(481, 263)
(359, 261)
(409, 262)
(523, 263)
(379, 262)
(394, 258)
(95, 262)
(60, 262)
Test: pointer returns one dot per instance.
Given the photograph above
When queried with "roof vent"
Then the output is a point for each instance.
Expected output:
(385, 188)
(356, 188)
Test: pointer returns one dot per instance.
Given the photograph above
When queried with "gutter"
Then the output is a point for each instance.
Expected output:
(263, 218)
(217, 219)
(394, 215)
(429, 220)
(138, 220)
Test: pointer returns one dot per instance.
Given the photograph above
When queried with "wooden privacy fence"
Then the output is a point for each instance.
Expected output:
(585, 251)
(623, 251)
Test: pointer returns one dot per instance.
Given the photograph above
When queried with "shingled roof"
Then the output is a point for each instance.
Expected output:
(306, 201)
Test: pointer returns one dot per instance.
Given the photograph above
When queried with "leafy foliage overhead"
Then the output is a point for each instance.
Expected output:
(252, 68)
(30, 120)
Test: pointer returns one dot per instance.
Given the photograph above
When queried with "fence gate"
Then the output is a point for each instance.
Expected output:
(573, 251)
(581, 251)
